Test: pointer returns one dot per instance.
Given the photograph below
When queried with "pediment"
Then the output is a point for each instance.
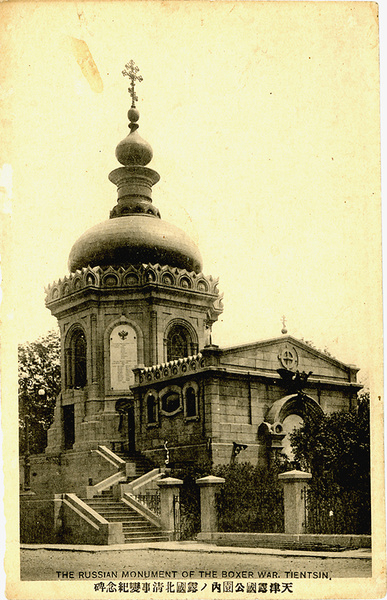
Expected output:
(286, 352)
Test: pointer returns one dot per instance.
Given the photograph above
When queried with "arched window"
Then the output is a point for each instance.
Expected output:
(151, 407)
(190, 402)
(75, 358)
(80, 379)
(179, 343)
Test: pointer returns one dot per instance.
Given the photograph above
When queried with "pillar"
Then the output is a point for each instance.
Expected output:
(153, 353)
(170, 505)
(294, 503)
(209, 486)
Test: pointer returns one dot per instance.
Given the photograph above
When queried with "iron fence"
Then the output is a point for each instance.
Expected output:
(151, 501)
(335, 513)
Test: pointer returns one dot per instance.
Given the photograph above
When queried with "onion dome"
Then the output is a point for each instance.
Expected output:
(133, 150)
(134, 233)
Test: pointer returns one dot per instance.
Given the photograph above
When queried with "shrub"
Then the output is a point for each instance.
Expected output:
(251, 499)
(335, 448)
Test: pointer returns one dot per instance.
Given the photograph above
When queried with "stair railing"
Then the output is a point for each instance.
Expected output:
(110, 456)
(131, 501)
(93, 490)
(82, 523)
(137, 486)
(151, 501)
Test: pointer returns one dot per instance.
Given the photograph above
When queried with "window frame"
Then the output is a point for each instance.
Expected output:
(72, 360)
(154, 393)
(193, 385)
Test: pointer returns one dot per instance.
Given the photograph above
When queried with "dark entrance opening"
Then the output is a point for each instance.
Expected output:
(68, 426)
(131, 430)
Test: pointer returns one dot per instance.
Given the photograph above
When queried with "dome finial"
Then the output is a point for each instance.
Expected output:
(131, 70)
(133, 150)
(284, 330)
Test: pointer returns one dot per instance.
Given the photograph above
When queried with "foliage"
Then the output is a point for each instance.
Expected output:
(190, 498)
(335, 448)
(39, 385)
(251, 498)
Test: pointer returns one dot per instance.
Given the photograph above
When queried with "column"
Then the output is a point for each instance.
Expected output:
(209, 486)
(294, 504)
(170, 505)
(93, 347)
(153, 338)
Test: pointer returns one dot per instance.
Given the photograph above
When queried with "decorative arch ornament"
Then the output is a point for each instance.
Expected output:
(170, 401)
(180, 341)
(294, 404)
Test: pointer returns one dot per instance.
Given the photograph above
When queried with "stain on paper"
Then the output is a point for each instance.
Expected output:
(83, 56)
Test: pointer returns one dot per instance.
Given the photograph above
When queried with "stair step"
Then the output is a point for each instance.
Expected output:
(110, 503)
(119, 514)
(114, 509)
(156, 538)
(135, 527)
(141, 532)
(122, 519)
(131, 526)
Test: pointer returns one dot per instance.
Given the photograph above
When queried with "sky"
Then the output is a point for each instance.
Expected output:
(264, 123)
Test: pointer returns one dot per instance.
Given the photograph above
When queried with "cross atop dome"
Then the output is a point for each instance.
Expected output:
(131, 70)
(134, 234)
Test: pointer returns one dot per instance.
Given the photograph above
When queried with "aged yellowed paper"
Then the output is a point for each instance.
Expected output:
(264, 123)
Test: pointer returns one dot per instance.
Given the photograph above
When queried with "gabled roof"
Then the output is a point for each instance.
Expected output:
(286, 352)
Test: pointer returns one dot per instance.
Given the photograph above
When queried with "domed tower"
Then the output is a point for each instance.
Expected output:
(136, 296)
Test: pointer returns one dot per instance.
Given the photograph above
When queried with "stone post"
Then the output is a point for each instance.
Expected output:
(209, 486)
(170, 505)
(294, 503)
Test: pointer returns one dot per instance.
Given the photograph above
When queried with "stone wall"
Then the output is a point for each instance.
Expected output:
(70, 471)
(36, 520)
(76, 524)
(302, 541)
(186, 437)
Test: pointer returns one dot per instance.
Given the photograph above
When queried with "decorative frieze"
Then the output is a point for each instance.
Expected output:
(134, 277)
(173, 368)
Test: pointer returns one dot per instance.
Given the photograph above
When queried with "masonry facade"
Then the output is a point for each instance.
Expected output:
(212, 406)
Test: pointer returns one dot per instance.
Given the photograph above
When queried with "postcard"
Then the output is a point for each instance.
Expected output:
(192, 372)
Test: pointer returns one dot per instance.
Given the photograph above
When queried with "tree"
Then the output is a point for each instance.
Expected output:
(335, 448)
(39, 384)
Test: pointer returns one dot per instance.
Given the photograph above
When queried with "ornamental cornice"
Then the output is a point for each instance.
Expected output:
(173, 368)
(134, 277)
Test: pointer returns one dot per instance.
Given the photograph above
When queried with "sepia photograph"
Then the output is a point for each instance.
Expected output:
(192, 332)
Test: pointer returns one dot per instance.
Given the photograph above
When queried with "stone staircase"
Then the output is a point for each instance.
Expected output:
(143, 465)
(136, 528)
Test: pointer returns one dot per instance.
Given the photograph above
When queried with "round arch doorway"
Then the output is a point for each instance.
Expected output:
(125, 408)
(290, 412)
(290, 424)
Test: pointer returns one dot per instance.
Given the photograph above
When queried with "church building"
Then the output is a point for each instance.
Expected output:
(141, 379)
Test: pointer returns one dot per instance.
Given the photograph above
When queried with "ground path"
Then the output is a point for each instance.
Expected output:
(44, 563)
